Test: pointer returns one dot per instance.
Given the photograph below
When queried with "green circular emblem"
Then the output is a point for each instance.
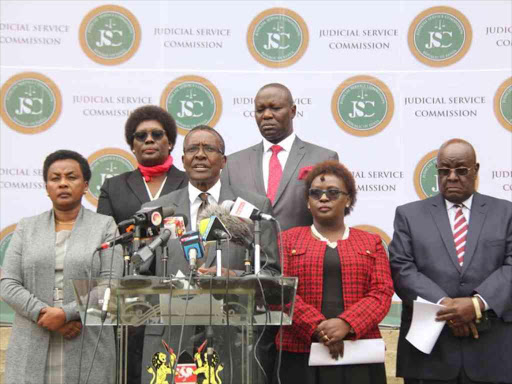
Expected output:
(506, 104)
(440, 36)
(192, 101)
(110, 35)
(30, 103)
(428, 178)
(104, 164)
(277, 37)
(192, 104)
(362, 106)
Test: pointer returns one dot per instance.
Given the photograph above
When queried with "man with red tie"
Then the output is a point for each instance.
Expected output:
(456, 249)
(273, 168)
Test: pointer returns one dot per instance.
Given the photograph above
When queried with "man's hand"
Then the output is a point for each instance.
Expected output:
(71, 329)
(464, 330)
(458, 311)
(51, 318)
(336, 349)
(213, 271)
(332, 331)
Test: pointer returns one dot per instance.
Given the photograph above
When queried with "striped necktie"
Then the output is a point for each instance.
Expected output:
(204, 203)
(460, 231)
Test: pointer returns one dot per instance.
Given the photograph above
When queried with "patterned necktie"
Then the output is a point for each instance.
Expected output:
(460, 230)
(204, 203)
(275, 172)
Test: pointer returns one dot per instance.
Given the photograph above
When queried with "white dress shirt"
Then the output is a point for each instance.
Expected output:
(195, 201)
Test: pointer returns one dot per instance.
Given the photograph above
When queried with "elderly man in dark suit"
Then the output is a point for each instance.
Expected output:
(456, 249)
(203, 160)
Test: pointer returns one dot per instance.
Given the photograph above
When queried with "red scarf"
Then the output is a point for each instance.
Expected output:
(148, 172)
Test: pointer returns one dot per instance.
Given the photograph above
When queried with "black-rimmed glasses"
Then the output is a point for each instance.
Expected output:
(207, 149)
(460, 171)
(156, 134)
(331, 193)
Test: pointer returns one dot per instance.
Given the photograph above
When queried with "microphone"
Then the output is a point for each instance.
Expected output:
(242, 208)
(212, 229)
(121, 239)
(151, 216)
(177, 225)
(238, 228)
(192, 244)
(144, 254)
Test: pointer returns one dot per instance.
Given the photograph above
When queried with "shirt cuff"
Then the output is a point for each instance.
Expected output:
(486, 306)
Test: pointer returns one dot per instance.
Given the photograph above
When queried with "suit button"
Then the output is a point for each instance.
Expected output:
(462, 284)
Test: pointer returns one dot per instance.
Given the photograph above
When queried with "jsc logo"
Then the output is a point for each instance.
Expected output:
(106, 163)
(110, 35)
(192, 101)
(31, 102)
(440, 36)
(426, 180)
(277, 37)
(362, 105)
(503, 104)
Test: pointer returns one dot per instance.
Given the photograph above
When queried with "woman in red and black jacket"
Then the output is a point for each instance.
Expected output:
(344, 287)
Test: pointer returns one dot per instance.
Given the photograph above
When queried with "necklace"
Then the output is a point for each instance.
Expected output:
(65, 222)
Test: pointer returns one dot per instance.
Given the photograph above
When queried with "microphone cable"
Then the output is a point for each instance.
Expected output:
(175, 365)
(228, 327)
(104, 312)
(281, 254)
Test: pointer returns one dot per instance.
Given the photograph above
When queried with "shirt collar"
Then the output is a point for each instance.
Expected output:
(332, 244)
(467, 203)
(285, 143)
(214, 192)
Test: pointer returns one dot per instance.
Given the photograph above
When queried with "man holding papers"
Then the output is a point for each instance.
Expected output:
(455, 249)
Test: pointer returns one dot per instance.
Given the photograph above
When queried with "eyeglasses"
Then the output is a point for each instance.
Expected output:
(461, 171)
(156, 134)
(332, 193)
(207, 149)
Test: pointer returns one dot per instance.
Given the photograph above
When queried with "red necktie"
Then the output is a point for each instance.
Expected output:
(460, 230)
(275, 172)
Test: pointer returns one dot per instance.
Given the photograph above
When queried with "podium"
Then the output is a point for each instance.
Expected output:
(239, 307)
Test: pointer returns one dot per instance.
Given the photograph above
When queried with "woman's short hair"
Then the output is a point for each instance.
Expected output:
(65, 154)
(146, 113)
(335, 168)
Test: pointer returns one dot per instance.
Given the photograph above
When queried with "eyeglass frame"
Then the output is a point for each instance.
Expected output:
(141, 136)
(207, 149)
(327, 192)
(458, 170)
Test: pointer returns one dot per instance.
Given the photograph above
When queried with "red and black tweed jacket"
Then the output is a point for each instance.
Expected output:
(366, 281)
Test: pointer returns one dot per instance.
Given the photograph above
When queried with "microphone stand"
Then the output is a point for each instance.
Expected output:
(136, 245)
(257, 249)
(126, 259)
(165, 259)
(247, 262)
(219, 257)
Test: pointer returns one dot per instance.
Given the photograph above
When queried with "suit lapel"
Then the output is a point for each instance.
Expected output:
(173, 181)
(476, 222)
(256, 164)
(296, 154)
(181, 205)
(440, 216)
(137, 186)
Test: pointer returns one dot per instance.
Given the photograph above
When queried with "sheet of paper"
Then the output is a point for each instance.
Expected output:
(365, 351)
(424, 330)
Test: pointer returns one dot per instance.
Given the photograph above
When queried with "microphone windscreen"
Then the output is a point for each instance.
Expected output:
(227, 204)
(167, 211)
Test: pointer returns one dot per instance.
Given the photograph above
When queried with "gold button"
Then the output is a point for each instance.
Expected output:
(294, 252)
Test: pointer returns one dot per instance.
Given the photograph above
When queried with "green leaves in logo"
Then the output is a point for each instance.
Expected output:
(110, 35)
(428, 178)
(362, 106)
(192, 104)
(30, 103)
(439, 36)
(277, 38)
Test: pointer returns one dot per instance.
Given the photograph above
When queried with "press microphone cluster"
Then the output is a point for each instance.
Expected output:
(152, 216)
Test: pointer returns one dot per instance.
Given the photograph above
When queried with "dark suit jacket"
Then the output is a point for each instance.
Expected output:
(123, 195)
(244, 169)
(424, 263)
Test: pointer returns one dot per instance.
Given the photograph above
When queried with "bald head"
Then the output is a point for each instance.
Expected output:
(457, 169)
(281, 88)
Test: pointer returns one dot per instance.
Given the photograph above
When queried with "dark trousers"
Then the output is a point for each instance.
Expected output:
(462, 379)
